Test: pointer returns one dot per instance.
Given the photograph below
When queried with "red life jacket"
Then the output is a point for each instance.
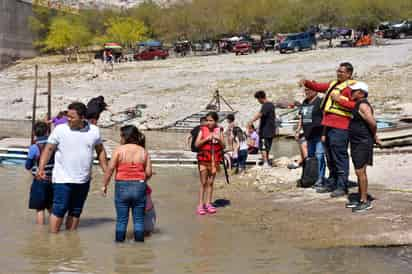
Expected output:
(205, 151)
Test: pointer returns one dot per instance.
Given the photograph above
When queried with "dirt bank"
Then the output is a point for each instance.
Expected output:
(272, 202)
(176, 87)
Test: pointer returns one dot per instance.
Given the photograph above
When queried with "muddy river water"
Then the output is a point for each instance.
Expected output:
(182, 243)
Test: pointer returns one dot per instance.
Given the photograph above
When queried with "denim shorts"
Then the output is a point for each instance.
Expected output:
(69, 198)
(41, 195)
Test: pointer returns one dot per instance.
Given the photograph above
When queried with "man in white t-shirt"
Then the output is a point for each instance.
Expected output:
(73, 144)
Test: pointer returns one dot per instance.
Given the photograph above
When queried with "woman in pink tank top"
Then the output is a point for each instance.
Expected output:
(133, 168)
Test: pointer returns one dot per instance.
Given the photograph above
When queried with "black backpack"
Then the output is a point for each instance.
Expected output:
(309, 172)
(194, 134)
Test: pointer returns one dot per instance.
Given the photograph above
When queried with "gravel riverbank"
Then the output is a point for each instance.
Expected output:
(176, 87)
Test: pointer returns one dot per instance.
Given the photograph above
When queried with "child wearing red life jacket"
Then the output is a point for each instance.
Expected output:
(210, 143)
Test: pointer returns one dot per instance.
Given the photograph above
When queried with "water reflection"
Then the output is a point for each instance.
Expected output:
(55, 253)
(358, 260)
(133, 258)
(184, 243)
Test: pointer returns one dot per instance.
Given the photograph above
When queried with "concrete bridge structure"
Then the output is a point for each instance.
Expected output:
(16, 39)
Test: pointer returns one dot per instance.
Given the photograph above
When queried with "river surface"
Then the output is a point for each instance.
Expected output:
(182, 243)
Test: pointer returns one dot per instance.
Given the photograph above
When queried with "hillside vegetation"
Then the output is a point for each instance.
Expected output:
(206, 19)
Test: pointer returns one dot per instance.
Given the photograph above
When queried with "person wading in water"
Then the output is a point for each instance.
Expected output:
(73, 143)
(210, 143)
(133, 167)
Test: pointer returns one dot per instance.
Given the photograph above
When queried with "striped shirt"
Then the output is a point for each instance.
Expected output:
(33, 157)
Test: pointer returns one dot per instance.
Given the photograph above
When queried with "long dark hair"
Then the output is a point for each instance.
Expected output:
(214, 116)
(132, 135)
(239, 134)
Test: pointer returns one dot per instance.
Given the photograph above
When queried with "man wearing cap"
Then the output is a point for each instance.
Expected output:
(362, 136)
(336, 118)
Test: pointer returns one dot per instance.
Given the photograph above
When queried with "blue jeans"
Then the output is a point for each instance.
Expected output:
(337, 141)
(69, 198)
(240, 161)
(130, 195)
(315, 149)
(241, 158)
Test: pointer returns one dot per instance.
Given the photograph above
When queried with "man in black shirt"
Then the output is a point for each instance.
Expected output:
(310, 121)
(362, 136)
(267, 126)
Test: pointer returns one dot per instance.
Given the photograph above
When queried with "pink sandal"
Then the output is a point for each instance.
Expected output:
(201, 210)
(210, 209)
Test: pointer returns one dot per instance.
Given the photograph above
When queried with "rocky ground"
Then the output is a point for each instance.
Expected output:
(176, 87)
(273, 203)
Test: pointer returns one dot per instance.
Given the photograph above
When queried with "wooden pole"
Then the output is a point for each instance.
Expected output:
(217, 100)
(49, 96)
(33, 116)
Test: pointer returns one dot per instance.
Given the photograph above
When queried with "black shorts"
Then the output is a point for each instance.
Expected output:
(41, 195)
(265, 144)
(362, 154)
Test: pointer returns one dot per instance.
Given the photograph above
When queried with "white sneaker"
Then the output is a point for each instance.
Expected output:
(266, 165)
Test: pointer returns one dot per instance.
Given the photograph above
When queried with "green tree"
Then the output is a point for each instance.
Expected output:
(125, 30)
(40, 22)
(67, 34)
(149, 13)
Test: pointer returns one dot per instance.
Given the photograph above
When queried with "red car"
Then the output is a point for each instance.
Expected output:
(242, 47)
(152, 54)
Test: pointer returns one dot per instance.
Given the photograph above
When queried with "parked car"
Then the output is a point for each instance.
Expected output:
(257, 45)
(298, 42)
(398, 31)
(344, 32)
(269, 44)
(328, 34)
(182, 48)
(243, 47)
(152, 54)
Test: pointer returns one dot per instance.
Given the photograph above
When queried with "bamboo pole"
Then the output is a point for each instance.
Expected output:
(33, 116)
(49, 105)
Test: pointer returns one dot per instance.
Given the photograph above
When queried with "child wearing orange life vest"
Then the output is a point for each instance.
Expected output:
(210, 143)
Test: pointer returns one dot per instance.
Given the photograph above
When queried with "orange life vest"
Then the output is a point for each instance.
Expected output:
(206, 150)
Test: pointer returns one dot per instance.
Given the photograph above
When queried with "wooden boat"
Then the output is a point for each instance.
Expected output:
(14, 151)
